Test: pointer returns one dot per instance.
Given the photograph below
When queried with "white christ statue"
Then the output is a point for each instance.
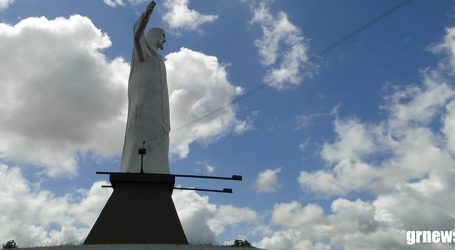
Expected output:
(148, 102)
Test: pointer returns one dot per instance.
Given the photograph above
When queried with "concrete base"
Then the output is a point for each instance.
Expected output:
(139, 211)
(140, 247)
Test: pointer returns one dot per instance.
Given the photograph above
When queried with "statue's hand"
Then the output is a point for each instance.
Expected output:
(150, 7)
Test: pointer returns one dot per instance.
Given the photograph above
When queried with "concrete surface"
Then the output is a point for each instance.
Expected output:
(142, 247)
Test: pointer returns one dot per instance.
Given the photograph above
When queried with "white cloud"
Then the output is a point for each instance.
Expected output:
(267, 181)
(305, 144)
(204, 221)
(5, 3)
(414, 106)
(209, 168)
(115, 3)
(447, 46)
(351, 224)
(194, 212)
(198, 85)
(425, 204)
(282, 48)
(377, 157)
(449, 126)
(405, 161)
(33, 216)
(228, 215)
(292, 215)
(59, 95)
(353, 143)
(290, 240)
(179, 16)
(57, 104)
(379, 224)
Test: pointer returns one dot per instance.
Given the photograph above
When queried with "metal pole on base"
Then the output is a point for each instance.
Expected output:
(142, 151)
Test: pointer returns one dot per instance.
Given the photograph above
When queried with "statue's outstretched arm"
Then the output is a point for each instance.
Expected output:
(139, 27)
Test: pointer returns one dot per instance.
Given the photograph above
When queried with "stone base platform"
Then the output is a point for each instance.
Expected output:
(139, 211)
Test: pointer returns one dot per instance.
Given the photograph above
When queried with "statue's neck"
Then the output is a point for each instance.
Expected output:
(154, 49)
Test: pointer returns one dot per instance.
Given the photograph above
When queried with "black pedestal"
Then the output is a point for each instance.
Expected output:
(139, 211)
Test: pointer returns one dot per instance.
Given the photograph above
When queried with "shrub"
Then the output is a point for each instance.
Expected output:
(10, 244)
(241, 243)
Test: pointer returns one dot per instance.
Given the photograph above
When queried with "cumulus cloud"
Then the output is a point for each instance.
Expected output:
(198, 85)
(290, 240)
(377, 157)
(357, 224)
(405, 161)
(194, 212)
(267, 181)
(59, 103)
(353, 142)
(34, 216)
(447, 47)
(179, 16)
(203, 221)
(282, 48)
(350, 224)
(5, 3)
(208, 168)
(59, 94)
(424, 204)
(292, 215)
(115, 3)
(449, 126)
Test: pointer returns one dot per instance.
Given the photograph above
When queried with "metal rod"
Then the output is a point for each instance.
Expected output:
(224, 190)
(233, 178)
(106, 186)
(103, 172)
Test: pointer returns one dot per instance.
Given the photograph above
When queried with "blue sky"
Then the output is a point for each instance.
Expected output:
(346, 152)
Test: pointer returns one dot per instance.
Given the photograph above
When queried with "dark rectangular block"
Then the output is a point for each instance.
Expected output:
(139, 211)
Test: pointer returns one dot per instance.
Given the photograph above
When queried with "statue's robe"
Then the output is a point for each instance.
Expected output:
(148, 109)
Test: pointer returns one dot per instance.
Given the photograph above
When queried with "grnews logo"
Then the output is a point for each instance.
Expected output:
(413, 237)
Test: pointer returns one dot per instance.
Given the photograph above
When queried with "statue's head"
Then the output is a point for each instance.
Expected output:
(156, 38)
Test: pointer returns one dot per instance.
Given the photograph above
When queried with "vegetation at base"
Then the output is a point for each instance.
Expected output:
(10, 244)
(241, 243)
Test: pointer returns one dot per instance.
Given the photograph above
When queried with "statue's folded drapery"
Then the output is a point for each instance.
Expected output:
(148, 107)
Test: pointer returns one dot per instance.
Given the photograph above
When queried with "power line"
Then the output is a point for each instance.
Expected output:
(321, 53)
(285, 74)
